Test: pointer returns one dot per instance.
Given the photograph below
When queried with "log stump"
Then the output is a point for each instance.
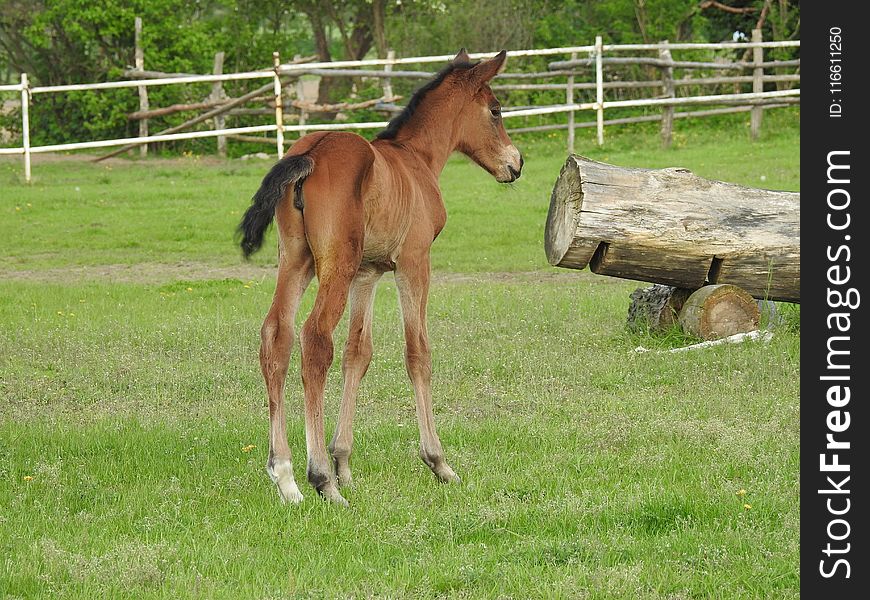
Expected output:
(672, 227)
(717, 311)
(655, 308)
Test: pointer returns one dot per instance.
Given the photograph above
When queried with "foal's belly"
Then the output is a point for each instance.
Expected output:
(379, 253)
(389, 203)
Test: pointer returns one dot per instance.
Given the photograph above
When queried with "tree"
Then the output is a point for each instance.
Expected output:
(85, 41)
(359, 23)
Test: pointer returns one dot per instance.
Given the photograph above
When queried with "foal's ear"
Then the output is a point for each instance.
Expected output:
(486, 70)
(462, 57)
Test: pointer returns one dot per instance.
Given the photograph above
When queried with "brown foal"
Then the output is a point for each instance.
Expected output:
(347, 211)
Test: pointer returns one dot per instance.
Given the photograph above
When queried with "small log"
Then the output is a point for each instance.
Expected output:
(313, 107)
(173, 108)
(655, 308)
(670, 226)
(718, 311)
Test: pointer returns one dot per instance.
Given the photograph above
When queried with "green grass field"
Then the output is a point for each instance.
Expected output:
(131, 397)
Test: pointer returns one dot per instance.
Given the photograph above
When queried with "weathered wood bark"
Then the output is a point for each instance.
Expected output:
(656, 307)
(717, 311)
(670, 226)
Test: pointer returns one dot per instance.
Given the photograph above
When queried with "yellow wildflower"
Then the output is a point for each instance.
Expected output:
(741, 492)
(747, 506)
(28, 478)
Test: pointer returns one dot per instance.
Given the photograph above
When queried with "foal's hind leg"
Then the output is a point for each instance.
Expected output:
(335, 271)
(412, 279)
(354, 364)
(295, 270)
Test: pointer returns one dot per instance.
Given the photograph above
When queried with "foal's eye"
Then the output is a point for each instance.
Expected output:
(495, 111)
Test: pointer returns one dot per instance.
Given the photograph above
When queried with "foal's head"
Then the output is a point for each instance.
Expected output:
(458, 103)
(481, 133)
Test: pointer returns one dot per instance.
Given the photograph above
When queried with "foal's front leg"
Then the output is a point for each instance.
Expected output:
(412, 279)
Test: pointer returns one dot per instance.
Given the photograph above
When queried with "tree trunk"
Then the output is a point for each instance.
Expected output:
(321, 45)
(379, 15)
(672, 227)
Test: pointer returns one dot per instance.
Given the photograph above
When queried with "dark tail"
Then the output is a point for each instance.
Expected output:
(290, 169)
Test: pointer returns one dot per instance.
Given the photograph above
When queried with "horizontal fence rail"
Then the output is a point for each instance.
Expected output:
(580, 58)
(719, 98)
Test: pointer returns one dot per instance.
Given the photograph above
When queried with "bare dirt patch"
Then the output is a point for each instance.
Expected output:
(160, 273)
(150, 273)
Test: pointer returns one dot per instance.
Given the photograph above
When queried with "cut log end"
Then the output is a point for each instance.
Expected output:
(565, 204)
(717, 311)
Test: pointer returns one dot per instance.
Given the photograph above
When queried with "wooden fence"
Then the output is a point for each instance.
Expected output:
(575, 71)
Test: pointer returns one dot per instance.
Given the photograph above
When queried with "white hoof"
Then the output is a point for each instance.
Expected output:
(281, 473)
(446, 474)
(289, 491)
(331, 494)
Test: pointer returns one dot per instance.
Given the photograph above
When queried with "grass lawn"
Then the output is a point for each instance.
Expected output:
(131, 397)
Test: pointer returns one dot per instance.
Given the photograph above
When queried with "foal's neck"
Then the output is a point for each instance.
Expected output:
(430, 135)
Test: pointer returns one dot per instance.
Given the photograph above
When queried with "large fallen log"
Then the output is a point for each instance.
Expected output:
(672, 227)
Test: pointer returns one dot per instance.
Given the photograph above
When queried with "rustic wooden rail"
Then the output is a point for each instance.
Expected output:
(219, 107)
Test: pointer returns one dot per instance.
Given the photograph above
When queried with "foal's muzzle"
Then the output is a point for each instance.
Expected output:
(513, 166)
(516, 173)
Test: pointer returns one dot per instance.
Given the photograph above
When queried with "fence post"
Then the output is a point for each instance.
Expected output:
(25, 124)
(300, 95)
(569, 99)
(387, 82)
(217, 94)
(599, 89)
(143, 90)
(279, 105)
(670, 92)
(757, 84)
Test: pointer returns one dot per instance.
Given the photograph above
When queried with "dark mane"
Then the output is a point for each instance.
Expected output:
(397, 122)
